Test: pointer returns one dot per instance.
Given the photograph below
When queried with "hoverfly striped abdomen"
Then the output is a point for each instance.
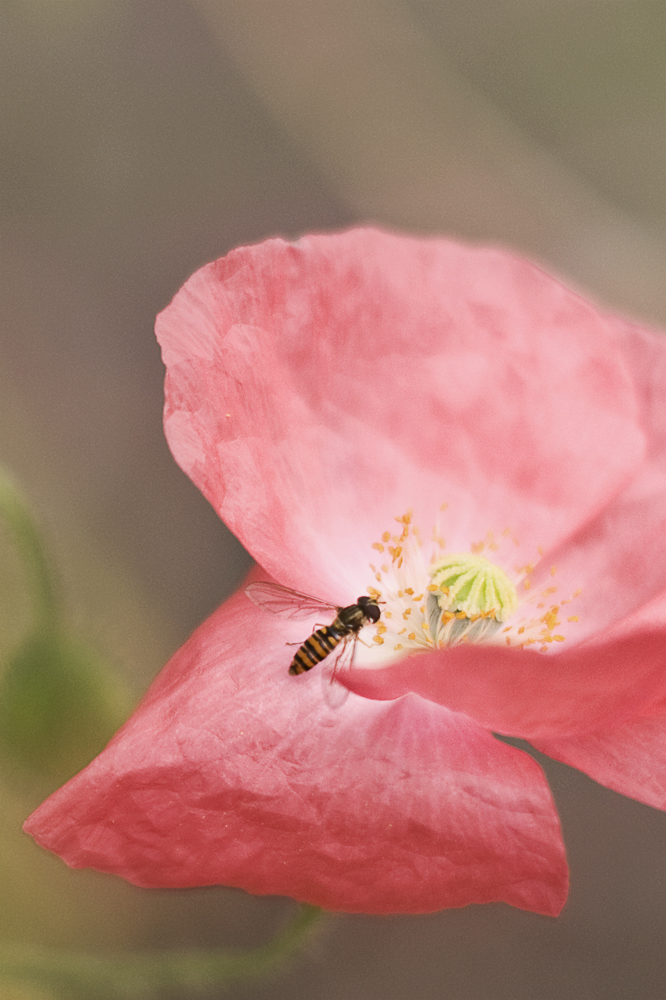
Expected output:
(316, 648)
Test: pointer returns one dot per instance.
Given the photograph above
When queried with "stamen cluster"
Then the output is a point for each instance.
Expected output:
(431, 600)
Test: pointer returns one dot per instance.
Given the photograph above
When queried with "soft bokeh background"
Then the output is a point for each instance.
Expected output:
(142, 138)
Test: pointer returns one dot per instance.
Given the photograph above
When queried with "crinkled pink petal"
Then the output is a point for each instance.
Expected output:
(619, 560)
(630, 759)
(233, 772)
(644, 352)
(528, 694)
(649, 617)
(315, 391)
(616, 563)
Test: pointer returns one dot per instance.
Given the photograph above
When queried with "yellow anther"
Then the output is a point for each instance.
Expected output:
(378, 639)
(378, 546)
(549, 619)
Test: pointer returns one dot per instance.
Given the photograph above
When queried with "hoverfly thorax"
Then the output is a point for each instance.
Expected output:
(364, 612)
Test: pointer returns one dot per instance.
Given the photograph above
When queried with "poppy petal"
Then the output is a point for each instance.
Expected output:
(233, 772)
(531, 695)
(316, 391)
(630, 759)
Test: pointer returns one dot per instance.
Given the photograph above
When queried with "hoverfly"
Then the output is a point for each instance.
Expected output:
(346, 624)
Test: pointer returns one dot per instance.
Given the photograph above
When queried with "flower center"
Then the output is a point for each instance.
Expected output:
(472, 599)
(432, 599)
(471, 583)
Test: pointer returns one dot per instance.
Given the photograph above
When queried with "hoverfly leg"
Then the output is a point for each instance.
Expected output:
(317, 625)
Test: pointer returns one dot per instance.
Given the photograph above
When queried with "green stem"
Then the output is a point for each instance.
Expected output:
(15, 510)
(130, 977)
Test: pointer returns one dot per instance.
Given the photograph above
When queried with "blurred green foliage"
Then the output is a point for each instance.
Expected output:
(59, 702)
(59, 706)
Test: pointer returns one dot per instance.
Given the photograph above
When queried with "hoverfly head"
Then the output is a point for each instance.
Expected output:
(370, 608)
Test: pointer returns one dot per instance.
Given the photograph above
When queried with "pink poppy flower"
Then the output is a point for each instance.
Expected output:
(452, 432)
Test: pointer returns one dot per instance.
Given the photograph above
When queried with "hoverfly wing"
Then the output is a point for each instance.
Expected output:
(335, 693)
(286, 603)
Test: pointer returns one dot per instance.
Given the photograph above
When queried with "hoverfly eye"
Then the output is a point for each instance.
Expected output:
(372, 612)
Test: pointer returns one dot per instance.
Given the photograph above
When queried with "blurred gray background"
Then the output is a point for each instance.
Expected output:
(141, 139)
